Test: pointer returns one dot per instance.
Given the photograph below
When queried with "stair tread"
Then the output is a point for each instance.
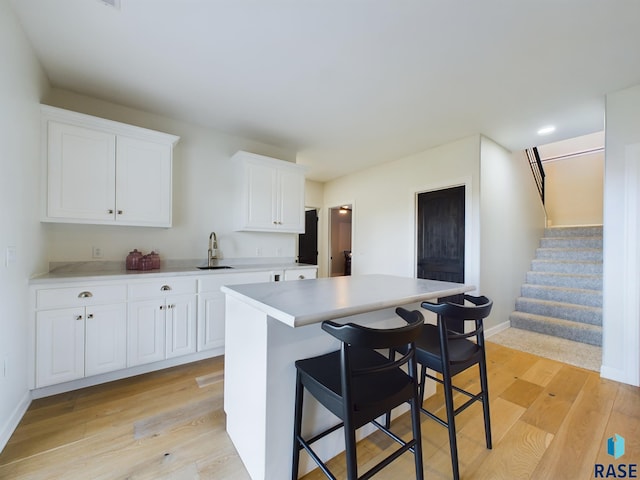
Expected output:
(560, 304)
(558, 321)
(566, 260)
(581, 249)
(588, 291)
(565, 274)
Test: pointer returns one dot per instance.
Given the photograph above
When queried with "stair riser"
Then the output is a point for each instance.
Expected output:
(577, 335)
(568, 242)
(566, 281)
(588, 315)
(573, 232)
(587, 255)
(579, 268)
(579, 297)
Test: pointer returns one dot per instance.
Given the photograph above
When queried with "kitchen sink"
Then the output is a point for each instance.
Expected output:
(215, 267)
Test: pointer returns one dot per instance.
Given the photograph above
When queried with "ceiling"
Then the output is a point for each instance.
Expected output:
(347, 83)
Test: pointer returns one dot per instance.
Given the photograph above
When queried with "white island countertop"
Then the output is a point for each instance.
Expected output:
(306, 302)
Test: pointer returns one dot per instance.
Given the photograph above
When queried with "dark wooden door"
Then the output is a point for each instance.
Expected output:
(441, 238)
(308, 241)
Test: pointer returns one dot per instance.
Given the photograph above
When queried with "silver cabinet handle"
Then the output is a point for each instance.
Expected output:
(119, 212)
(110, 211)
(78, 317)
(301, 277)
(161, 307)
(164, 288)
(90, 315)
(85, 294)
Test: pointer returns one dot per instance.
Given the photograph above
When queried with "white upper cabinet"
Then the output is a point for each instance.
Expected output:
(103, 172)
(272, 194)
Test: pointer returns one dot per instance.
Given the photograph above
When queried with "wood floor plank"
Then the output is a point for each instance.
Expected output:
(550, 408)
(516, 455)
(569, 455)
(548, 420)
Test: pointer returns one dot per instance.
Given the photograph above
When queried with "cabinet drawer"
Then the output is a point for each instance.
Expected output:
(80, 296)
(213, 283)
(300, 273)
(162, 287)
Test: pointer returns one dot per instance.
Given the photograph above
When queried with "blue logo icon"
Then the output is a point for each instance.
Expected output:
(615, 446)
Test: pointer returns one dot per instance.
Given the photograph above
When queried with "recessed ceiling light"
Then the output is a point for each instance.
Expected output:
(547, 130)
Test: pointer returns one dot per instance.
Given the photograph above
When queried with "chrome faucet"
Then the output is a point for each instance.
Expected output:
(213, 249)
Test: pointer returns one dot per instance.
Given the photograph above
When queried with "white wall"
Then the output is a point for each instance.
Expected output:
(621, 280)
(504, 220)
(574, 189)
(383, 200)
(22, 83)
(512, 222)
(203, 192)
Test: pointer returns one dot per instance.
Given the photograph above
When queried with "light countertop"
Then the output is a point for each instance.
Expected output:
(306, 302)
(101, 271)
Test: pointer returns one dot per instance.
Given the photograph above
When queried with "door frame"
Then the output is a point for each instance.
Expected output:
(471, 227)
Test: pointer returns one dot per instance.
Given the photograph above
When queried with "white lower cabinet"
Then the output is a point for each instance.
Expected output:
(163, 326)
(79, 341)
(59, 346)
(93, 328)
(146, 332)
(105, 339)
(211, 314)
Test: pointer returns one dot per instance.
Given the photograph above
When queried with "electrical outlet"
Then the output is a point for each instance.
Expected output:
(258, 252)
(96, 252)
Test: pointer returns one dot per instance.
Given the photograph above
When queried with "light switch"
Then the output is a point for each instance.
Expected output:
(11, 256)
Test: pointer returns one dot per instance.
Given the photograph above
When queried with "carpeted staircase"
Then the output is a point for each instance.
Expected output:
(562, 295)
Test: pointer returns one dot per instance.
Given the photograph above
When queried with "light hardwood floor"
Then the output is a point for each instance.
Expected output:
(550, 421)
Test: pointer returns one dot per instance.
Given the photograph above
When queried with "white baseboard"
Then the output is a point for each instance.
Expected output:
(497, 329)
(13, 421)
(618, 375)
(125, 373)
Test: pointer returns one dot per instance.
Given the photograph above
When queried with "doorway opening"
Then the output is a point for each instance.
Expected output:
(340, 227)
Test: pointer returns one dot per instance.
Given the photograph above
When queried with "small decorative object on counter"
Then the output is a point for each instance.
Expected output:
(133, 260)
(155, 260)
(146, 263)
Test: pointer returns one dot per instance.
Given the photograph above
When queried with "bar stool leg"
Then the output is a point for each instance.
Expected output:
(451, 425)
(297, 429)
(485, 402)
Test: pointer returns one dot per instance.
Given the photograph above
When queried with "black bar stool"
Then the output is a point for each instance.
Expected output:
(450, 352)
(358, 385)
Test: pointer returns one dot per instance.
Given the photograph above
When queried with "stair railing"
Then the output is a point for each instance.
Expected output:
(536, 168)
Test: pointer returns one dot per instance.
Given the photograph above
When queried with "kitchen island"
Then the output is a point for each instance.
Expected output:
(271, 325)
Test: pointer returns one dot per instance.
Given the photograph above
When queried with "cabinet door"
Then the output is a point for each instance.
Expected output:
(261, 197)
(81, 173)
(180, 325)
(211, 305)
(290, 201)
(59, 346)
(210, 320)
(143, 183)
(146, 332)
(106, 339)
